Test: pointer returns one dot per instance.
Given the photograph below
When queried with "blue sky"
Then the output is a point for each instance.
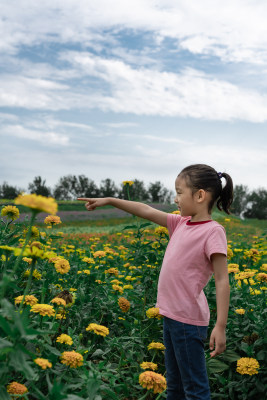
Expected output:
(132, 89)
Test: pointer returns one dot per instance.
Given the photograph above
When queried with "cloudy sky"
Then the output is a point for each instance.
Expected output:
(128, 89)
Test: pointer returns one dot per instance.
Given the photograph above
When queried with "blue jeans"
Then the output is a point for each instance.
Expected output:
(186, 372)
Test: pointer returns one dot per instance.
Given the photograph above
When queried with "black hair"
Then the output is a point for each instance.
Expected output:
(202, 176)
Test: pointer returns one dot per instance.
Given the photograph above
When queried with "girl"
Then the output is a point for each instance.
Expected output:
(197, 249)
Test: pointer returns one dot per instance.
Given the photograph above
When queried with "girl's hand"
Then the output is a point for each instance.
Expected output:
(218, 336)
(91, 204)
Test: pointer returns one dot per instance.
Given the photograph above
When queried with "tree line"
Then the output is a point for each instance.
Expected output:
(246, 203)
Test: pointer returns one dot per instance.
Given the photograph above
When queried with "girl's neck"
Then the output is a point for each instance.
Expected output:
(200, 217)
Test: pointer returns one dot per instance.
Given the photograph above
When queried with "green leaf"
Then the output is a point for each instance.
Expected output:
(230, 355)
(5, 343)
(216, 366)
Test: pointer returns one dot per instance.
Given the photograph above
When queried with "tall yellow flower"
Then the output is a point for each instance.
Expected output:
(43, 363)
(11, 212)
(98, 329)
(161, 230)
(37, 203)
(58, 301)
(72, 358)
(152, 380)
(248, 366)
(130, 183)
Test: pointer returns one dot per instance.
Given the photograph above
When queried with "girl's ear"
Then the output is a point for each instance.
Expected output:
(201, 195)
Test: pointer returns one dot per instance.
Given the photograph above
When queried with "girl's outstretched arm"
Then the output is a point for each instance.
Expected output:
(132, 207)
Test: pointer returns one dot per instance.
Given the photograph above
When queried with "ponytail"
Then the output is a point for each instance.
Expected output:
(226, 197)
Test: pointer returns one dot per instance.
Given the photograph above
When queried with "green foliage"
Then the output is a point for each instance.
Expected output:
(111, 364)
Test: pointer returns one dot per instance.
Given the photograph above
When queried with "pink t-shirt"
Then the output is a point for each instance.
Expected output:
(186, 268)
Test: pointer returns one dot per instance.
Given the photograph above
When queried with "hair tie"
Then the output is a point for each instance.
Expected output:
(219, 175)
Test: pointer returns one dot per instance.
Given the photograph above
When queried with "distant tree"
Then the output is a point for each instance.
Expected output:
(9, 192)
(70, 187)
(38, 187)
(108, 188)
(158, 193)
(240, 199)
(138, 192)
(257, 204)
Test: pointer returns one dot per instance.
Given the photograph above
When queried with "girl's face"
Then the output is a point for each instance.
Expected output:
(184, 199)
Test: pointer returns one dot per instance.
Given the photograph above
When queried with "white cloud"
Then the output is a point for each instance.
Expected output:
(47, 138)
(233, 30)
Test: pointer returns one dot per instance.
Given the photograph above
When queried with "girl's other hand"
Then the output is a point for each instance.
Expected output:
(91, 204)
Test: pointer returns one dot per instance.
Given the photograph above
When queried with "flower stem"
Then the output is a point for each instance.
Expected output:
(26, 291)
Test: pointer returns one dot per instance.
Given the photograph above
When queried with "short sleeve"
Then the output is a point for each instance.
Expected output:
(216, 242)
(172, 222)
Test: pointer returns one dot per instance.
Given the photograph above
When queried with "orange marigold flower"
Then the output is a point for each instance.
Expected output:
(153, 313)
(63, 338)
(248, 366)
(43, 363)
(53, 220)
(72, 358)
(112, 271)
(58, 301)
(16, 388)
(124, 304)
(152, 380)
(99, 254)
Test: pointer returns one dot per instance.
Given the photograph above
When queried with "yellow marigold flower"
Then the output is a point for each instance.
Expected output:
(229, 253)
(43, 363)
(262, 277)
(72, 358)
(264, 267)
(152, 380)
(227, 219)
(11, 212)
(161, 230)
(37, 275)
(240, 311)
(88, 260)
(153, 313)
(29, 299)
(59, 301)
(16, 388)
(112, 271)
(127, 287)
(254, 291)
(117, 288)
(124, 304)
(248, 366)
(7, 248)
(52, 220)
(149, 365)
(37, 203)
(32, 252)
(156, 346)
(87, 271)
(43, 309)
(176, 212)
(130, 183)
(99, 254)
(98, 329)
(27, 260)
(34, 233)
(60, 316)
(62, 266)
(244, 275)
(65, 339)
(116, 281)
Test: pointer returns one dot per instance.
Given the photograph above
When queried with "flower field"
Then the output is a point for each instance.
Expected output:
(77, 314)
